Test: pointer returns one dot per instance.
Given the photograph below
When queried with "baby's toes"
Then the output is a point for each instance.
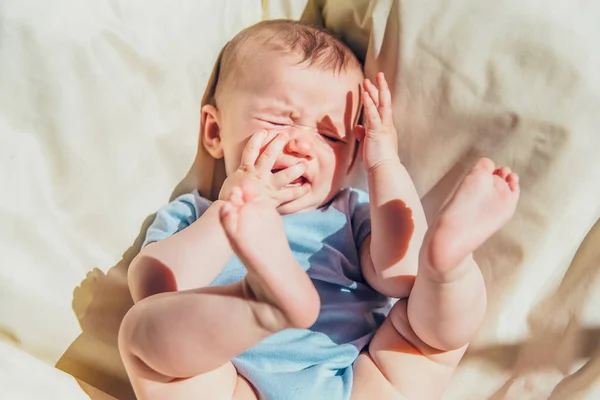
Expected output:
(506, 190)
(502, 172)
(229, 215)
(513, 182)
(249, 192)
(501, 187)
(236, 196)
(485, 164)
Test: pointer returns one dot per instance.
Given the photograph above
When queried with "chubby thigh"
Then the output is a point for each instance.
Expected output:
(222, 383)
(398, 365)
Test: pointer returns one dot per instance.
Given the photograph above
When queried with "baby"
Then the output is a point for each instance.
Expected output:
(280, 288)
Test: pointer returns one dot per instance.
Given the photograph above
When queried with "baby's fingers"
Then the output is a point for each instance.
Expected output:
(266, 161)
(372, 90)
(288, 175)
(371, 112)
(385, 100)
(290, 193)
(252, 149)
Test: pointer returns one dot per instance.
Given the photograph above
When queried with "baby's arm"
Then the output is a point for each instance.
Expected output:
(191, 258)
(389, 256)
(194, 256)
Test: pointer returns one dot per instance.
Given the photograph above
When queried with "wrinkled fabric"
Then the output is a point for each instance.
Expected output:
(99, 114)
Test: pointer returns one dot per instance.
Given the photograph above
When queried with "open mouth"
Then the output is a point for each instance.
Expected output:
(296, 182)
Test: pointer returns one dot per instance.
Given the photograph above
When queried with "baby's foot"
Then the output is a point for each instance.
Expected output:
(484, 201)
(279, 291)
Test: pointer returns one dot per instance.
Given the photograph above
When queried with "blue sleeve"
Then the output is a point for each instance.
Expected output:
(176, 216)
(360, 215)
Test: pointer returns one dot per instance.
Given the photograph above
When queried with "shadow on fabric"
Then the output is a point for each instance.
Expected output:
(100, 302)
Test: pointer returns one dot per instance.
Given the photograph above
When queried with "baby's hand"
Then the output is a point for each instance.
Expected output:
(378, 138)
(255, 171)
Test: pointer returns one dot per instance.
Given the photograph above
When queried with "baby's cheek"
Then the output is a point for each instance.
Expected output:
(345, 157)
(337, 166)
(233, 157)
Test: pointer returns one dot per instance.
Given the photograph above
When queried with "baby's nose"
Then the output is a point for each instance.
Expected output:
(300, 143)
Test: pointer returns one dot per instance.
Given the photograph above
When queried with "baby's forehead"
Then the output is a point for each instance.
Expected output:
(269, 72)
(257, 54)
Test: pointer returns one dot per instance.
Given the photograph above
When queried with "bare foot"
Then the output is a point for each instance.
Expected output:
(484, 201)
(280, 292)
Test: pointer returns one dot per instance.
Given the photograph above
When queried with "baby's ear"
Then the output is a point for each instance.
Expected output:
(211, 131)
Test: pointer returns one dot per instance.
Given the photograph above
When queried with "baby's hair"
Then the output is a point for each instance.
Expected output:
(314, 46)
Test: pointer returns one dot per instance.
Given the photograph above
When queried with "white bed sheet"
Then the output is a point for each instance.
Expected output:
(99, 111)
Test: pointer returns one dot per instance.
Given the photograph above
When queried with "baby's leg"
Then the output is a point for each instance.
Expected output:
(423, 339)
(448, 301)
(179, 344)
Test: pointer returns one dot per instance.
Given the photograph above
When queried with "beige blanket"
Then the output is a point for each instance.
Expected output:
(99, 113)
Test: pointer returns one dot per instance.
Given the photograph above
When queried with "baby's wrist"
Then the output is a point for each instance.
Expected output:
(391, 160)
(382, 165)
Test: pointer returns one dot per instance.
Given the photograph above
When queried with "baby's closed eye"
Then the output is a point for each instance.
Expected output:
(275, 123)
(331, 138)
(325, 134)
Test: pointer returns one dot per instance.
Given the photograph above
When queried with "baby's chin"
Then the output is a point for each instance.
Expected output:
(298, 205)
(309, 202)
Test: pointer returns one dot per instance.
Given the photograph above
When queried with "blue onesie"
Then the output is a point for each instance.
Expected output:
(314, 363)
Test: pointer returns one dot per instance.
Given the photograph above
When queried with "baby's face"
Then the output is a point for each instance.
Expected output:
(319, 109)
